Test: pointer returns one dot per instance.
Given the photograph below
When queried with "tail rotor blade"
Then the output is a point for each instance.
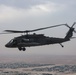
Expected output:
(73, 24)
(68, 26)
(73, 37)
(74, 31)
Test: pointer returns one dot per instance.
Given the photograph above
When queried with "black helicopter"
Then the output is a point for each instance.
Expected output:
(34, 39)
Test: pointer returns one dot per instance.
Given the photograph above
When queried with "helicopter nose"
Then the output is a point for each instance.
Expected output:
(6, 45)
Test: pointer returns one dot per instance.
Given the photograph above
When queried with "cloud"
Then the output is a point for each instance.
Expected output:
(48, 7)
(22, 3)
(12, 13)
(7, 13)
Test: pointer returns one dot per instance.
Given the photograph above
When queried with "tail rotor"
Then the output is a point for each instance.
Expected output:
(70, 32)
(71, 26)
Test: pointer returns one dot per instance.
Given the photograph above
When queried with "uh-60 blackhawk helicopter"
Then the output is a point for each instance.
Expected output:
(28, 40)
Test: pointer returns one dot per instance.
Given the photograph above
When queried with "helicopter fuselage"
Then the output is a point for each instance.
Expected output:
(33, 40)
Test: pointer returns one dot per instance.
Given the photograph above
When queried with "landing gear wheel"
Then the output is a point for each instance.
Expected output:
(19, 48)
(24, 49)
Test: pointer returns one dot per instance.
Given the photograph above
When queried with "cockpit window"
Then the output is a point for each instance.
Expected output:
(11, 41)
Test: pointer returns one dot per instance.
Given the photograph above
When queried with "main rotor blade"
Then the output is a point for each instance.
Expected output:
(6, 33)
(15, 31)
(46, 27)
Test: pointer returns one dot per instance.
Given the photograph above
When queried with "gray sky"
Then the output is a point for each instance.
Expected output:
(31, 14)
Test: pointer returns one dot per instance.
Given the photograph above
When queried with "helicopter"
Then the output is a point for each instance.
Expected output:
(29, 40)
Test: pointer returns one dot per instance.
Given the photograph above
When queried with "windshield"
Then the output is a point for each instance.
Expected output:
(11, 41)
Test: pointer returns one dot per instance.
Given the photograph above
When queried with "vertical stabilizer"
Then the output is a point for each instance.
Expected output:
(69, 33)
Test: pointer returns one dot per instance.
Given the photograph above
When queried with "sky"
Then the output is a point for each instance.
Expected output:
(33, 14)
